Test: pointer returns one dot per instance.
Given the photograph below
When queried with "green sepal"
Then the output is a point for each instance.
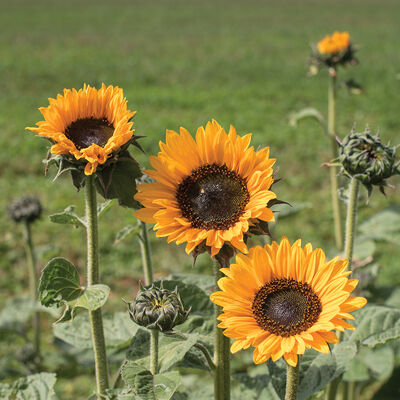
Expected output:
(118, 180)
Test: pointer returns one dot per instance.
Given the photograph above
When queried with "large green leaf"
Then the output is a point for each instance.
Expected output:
(59, 283)
(371, 364)
(375, 325)
(172, 349)
(118, 331)
(33, 387)
(148, 387)
(383, 226)
(258, 387)
(16, 313)
(68, 216)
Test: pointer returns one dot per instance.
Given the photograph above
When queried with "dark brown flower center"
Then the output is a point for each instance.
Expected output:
(212, 197)
(86, 131)
(286, 307)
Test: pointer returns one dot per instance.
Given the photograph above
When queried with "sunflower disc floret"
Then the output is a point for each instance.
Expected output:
(283, 299)
(364, 157)
(87, 127)
(209, 191)
(158, 308)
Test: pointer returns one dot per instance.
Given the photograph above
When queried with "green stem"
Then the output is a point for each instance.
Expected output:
(146, 254)
(93, 278)
(33, 285)
(222, 376)
(351, 220)
(334, 154)
(348, 253)
(292, 381)
(154, 351)
(206, 354)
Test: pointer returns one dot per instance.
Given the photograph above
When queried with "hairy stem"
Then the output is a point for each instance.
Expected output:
(222, 376)
(33, 285)
(334, 154)
(292, 381)
(154, 333)
(206, 354)
(93, 278)
(146, 254)
(348, 253)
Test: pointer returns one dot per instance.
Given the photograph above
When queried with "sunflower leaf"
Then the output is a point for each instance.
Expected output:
(118, 180)
(68, 216)
(33, 387)
(308, 112)
(126, 231)
(375, 324)
(59, 283)
(147, 386)
(118, 331)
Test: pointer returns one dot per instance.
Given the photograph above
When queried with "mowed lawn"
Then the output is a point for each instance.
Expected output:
(182, 63)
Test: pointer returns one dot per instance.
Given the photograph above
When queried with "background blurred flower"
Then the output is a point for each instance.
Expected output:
(26, 208)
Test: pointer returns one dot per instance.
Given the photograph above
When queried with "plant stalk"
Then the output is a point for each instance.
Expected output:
(334, 154)
(146, 254)
(348, 253)
(222, 376)
(33, 285)
(154, 333)
(93, 278)
(292, 381)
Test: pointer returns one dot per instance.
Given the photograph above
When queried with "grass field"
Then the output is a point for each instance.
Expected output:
(182, 63)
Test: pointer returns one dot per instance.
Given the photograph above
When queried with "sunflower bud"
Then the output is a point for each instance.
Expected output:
(158, 308)
(365, 158)
(26, 208)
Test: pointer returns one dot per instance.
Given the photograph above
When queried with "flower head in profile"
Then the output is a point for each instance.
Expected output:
(87, 125)
(209, 191)
(283, 299)
(333, 50)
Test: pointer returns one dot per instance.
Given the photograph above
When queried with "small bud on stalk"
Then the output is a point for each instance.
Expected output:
(25, 209)
(158, 308)
(365, 158)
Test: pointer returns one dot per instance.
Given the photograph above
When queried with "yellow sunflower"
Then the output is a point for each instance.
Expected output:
(208, 190)
(334, 44)
(284, 299)
(88, 124)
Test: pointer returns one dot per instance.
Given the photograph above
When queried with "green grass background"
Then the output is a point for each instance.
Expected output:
(182, 63)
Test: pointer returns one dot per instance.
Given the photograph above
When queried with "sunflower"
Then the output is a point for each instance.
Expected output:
(284, 299)
(209, 190)
(334, 44)
(88, 124)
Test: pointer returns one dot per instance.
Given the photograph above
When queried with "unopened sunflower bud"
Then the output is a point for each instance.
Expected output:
(26, 208)
(158, 308)
(365, 158)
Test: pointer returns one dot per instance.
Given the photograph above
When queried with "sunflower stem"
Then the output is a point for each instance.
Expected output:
(206, 354)
(292, 381)
(33, 285)
(148, 279)
(154, 351)
(333, 386)
(351, 220)
(222, 376)
(146, 254)
(93, 277)
(334, 153)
